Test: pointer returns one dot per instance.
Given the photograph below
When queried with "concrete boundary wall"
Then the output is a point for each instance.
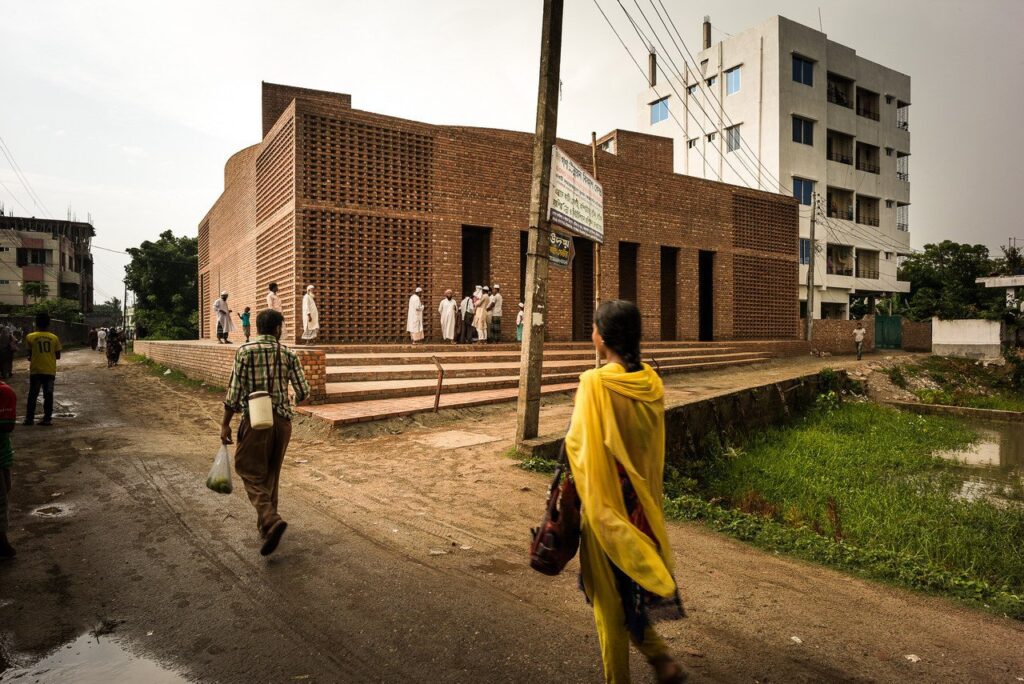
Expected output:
(212, 363)
(972, 338)
(694, 428)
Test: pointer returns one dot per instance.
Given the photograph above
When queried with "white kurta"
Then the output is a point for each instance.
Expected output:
(273, 301)
(414, 321)
(223, 314)
(448, 309)
(310, 318)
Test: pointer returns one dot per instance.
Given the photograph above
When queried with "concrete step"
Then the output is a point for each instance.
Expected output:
(392, 389)
(462, 355)
(500, 366)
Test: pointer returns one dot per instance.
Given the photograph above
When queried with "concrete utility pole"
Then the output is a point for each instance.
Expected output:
(597, 249)
(538, 246)
(810, 271)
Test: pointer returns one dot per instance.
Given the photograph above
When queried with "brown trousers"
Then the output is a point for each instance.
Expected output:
(258, 460)
(5, 494)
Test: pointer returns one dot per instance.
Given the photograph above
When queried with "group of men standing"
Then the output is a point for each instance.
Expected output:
(222, 314)
(477, 318)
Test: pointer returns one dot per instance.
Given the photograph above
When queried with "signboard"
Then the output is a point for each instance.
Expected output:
(576, 199)
(559, 248)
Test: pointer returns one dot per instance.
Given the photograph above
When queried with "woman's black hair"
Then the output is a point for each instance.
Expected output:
(618, 323)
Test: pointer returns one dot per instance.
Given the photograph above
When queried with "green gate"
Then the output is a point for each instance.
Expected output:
(888, 332)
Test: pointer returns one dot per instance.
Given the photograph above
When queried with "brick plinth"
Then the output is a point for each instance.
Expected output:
(212, 363)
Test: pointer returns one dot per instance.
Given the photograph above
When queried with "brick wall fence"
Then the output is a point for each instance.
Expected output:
(917, 335)
(212, 363)
(69, 333)
(836, 337)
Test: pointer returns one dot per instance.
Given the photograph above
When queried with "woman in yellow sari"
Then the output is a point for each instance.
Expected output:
(616, 449)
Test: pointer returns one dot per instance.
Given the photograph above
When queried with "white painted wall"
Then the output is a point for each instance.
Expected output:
(972, 338)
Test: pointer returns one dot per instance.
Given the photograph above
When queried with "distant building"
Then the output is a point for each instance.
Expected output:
(820, 119)
(56, 253)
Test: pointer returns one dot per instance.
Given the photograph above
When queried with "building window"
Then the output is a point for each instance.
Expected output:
(5, 282)
(732, 81)
(691, 89)
(691, 143)
(805, 251)
(703, 66)
(888, 204)
(711, 81)
(889, 99)
(30, 257)
(803, 131)
(5, 249)
(888, 256)
(732, 138)
(803, 71)
(711, 137)
(659, 110)
(803, 190)
(888, 151)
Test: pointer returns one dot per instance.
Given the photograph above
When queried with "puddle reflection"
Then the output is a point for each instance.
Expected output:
(92, 660)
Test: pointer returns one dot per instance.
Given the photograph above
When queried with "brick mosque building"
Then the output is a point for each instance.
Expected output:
(367, 207)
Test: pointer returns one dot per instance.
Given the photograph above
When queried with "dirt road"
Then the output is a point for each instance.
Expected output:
(403, 562)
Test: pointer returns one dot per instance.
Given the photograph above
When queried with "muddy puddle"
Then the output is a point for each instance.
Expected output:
(993, 467)
(91, 660)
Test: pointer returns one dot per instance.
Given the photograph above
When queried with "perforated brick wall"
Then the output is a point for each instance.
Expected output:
(379, 205)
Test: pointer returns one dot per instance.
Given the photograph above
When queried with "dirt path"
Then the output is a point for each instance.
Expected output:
(403, 562)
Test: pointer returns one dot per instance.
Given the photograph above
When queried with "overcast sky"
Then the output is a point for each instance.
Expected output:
(128, 110)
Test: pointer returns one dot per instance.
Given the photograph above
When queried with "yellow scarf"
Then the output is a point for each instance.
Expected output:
(619, 417)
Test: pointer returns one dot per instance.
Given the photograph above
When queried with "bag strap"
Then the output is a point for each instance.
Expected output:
(277, 367)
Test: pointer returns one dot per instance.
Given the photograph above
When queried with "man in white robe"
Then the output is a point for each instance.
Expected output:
(448, 310)
(466, 310)
(310, 316)
(223, 314)
(414, 321)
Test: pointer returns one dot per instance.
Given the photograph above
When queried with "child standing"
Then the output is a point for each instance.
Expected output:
(245, 323)
(8, 407)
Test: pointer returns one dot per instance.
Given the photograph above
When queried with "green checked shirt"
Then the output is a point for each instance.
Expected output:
(254, 364)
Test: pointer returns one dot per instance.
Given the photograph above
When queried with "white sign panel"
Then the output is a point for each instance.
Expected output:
(576, 199)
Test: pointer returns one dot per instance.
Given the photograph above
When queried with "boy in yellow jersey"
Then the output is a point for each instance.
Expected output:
(43, 352)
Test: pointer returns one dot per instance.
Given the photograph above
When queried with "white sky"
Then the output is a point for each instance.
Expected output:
(128, 110)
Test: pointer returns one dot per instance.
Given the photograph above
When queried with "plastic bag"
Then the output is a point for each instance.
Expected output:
(219, 479)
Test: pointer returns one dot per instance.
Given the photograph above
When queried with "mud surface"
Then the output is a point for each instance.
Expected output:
(402, 562)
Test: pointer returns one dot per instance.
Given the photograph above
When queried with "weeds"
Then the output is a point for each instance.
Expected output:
(857, 485)
(537, 464)
(174, 376)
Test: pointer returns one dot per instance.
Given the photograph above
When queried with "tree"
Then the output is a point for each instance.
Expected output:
(59, 309)
(35, 289)
(942, 282)
(163, 276)
(109, 310)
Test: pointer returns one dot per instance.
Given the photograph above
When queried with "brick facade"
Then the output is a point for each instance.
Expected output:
(212, 363)
(917, 335)
(367, 207)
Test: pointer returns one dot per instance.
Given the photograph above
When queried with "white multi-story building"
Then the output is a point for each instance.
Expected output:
(782, 108)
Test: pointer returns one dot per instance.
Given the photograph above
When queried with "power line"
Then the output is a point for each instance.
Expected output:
(6, 150)
(14, 197)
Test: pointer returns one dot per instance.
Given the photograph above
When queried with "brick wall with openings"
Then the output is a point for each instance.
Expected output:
(836, 337)
(212, 363)
(380, 203)
(917, 335)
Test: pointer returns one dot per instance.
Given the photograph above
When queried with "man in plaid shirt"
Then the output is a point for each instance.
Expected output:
(263, 365)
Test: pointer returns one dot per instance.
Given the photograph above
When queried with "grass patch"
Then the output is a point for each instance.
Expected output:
(174, 376)
(963, 382)
(857, 486)
(533, 464)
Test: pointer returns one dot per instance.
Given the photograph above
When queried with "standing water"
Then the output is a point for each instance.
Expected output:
(994, 465)
(92, 660)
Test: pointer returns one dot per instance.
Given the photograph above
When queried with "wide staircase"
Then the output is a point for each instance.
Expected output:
(375, 382)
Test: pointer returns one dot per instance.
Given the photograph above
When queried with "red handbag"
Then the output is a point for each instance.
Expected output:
(557, 539)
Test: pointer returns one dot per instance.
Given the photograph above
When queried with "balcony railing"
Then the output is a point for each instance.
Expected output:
(868, 112)
(840, 157)
(903, 175)
(839, 213)
(840, 270)
(836, 96)
(863, 165)
(903, 226)
(867, 220)
(869, 273)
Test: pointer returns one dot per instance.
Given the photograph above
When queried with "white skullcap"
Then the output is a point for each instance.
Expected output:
(497, 286)
(419, 289)
(224, 293)
(309, 287)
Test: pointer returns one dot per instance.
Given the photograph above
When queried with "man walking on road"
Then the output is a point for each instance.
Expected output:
(101, 340)
(858, 338)
(43, 352)
(263, 365)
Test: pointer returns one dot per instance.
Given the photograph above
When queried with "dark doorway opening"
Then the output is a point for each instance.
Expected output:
(627, 270)
(706, 296)
(524, 241)
(582, 288)
(476, 257)
(669, 292)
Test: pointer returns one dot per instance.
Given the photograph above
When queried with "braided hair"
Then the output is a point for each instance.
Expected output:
(618, 323)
